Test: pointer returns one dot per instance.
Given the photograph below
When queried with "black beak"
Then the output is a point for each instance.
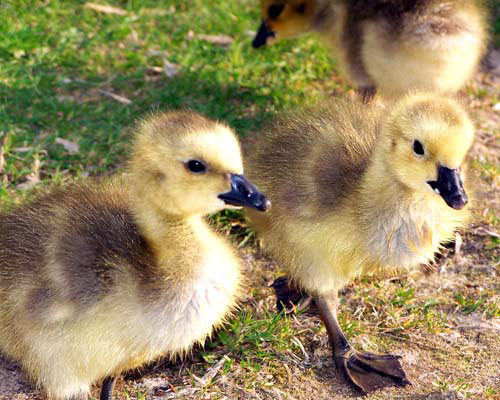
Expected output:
(243, 193)
(262, 35)
(449, 185)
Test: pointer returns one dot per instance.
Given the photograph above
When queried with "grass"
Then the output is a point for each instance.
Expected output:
(59, 62)
(59, 57)
(495, 6)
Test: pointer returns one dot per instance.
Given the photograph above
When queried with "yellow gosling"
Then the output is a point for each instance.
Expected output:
(106, 276)
(357, 189)
(389, 46)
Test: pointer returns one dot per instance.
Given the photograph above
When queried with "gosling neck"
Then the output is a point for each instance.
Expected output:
(382, 190)
(160, 227)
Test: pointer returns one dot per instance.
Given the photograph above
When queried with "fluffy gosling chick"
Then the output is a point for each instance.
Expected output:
(389, 46)
(354, 191)
(104, 277)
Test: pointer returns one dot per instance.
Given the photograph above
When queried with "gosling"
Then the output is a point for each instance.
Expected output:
(389, 46)
(103, 277)
(355, 191)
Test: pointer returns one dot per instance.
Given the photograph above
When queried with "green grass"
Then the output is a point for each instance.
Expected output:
(495, 5)
(252, 339)
(59, 58)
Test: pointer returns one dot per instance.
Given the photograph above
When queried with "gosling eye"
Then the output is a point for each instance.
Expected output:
(196, 166)
(418, 148)
(275, 10)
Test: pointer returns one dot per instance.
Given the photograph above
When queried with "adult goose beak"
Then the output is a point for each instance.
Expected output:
(262, 34)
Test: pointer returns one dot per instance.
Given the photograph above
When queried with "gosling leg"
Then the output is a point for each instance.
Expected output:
(289, 297)
(366, 371)
(107, 388)
(367, 93)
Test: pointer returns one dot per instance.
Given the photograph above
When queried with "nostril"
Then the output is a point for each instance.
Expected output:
(242, 188)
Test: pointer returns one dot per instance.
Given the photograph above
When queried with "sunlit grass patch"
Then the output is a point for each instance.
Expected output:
(71, 73)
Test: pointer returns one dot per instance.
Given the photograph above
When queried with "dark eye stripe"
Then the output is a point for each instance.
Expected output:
(196, 166)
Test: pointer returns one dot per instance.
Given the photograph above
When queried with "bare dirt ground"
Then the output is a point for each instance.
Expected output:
(453, 354)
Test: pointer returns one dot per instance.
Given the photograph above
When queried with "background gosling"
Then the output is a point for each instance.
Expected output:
(103, 277)
(389, 46)
(356, 191)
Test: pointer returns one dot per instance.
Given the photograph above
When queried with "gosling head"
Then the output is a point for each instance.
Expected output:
(185, 164)
(283, 19)
(427, 139)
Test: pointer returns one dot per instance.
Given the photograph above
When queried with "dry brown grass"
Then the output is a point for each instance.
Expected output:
(444, 321)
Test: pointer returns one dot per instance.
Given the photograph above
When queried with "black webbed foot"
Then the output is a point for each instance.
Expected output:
(289, 297)
(369, 372)
(366, 371)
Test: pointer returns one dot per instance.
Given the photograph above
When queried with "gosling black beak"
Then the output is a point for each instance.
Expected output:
(262, 35)
(243, 193)
(449, 185)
